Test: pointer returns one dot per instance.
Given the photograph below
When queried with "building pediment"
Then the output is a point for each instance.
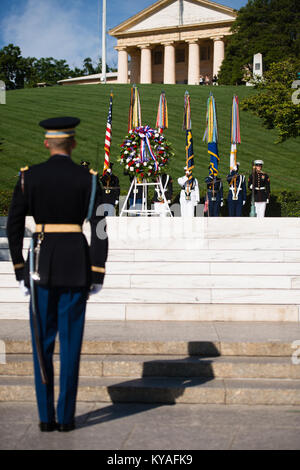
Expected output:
(171, 14)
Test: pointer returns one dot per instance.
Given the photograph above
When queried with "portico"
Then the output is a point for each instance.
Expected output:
(173, 42)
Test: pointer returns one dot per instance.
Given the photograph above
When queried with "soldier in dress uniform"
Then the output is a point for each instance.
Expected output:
(237, 194)
(111, 191)
(189, 194)
(158, 198)
(62, 270)
(261, 187)
(214, 195)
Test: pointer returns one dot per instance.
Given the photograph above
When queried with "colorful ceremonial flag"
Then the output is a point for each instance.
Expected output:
(187, 122)
(235, 132)
(189, 151)
(187, 126)
(211, 136)
(135, 116)
(108, 136)
(162, 114)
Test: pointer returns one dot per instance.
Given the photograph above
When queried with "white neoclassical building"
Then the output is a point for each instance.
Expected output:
(173, 41)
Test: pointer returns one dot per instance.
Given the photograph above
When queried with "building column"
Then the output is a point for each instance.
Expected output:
(194, 62)
(135, 67)
(169, 63)
(146, 64)
(219, 49)
(122, 65)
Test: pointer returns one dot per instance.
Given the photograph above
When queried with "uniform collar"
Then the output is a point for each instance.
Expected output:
(60, 155)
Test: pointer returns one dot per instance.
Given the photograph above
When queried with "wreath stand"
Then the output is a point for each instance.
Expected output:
(143, 210)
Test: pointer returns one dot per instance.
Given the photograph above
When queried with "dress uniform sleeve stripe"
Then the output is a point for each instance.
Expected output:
(97, 269)
(19, 266)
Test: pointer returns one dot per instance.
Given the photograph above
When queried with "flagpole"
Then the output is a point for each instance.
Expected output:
(103, 75)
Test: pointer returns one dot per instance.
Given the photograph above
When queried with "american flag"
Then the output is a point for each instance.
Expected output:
(108, 136)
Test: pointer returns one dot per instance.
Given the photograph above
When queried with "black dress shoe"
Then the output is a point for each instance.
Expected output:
(66, 427)
(48, 427)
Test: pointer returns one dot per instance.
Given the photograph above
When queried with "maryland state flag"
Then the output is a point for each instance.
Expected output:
(211, 136)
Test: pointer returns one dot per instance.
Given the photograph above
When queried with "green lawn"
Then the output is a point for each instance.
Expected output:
(21, 139)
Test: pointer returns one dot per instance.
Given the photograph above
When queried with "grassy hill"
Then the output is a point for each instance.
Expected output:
(21, 139)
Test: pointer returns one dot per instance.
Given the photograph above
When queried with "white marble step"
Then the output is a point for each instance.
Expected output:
(181, 296)
(158, 255)
(249, 244)
(174, 281)
(190, 268)
(223, 227)
(139, 228)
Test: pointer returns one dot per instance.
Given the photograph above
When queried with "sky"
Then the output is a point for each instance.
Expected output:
(68, 29)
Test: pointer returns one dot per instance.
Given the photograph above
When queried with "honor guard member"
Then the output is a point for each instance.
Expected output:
(62, 270)
(261, 187)
(160, 196)
(214, 195)
(111, 192)
(237, 194)
(189, 194)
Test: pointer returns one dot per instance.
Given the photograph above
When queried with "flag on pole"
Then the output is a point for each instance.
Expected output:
(235, 132)
(211, 136)
(108, 136)
(135, 116)
(187, 126)
(162, 114)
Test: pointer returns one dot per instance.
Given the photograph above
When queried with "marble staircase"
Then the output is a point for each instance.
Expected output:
(201, 269)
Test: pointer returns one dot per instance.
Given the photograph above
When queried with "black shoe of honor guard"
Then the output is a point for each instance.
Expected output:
(47, 427)
(66, 427)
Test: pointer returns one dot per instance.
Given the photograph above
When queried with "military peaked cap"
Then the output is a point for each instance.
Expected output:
(59, 128)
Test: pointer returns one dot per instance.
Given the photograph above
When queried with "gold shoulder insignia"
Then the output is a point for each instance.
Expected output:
(93, 172)
(25, 168)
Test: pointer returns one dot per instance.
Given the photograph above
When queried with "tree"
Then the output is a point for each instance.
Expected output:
(50, 70)
(88, 68)
(271, 27)
(274, 103)
(17, 71)
(12, 67)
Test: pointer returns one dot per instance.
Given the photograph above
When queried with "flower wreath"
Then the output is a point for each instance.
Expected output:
(145, 152)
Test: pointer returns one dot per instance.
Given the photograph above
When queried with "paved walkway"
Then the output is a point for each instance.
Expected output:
(152, 427)
(233, 332)
(104, 426)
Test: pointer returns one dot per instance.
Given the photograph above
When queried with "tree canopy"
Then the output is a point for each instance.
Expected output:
(271, 27)
(274, 101)
(19, 72)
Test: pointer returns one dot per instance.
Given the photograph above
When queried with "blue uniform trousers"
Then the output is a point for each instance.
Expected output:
(60, 310)
(235, 207)
(214, 206)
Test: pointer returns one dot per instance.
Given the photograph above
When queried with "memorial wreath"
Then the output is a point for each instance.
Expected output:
(145, 152)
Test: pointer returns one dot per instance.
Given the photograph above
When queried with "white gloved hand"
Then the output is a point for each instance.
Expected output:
(244, 202)
(267, 201)
(222, 204)
(24, 289)
(116, 203)
(95, 288)
(251, 186)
